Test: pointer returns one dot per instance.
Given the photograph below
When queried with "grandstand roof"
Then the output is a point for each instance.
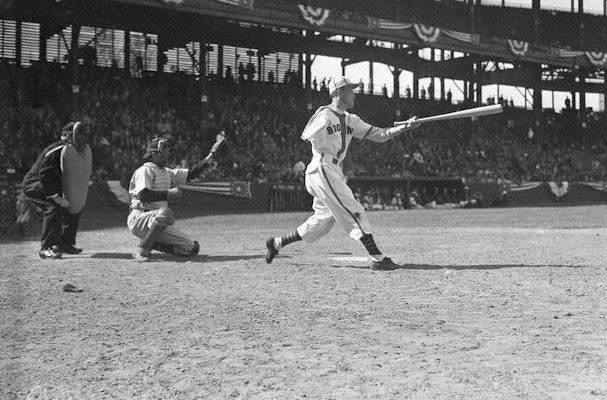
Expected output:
(277, 25)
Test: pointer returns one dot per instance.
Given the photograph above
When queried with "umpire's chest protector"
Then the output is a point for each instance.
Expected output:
(76, 171)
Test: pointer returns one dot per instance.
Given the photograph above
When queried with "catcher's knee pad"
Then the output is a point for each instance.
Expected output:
(151, 236)
(162, 220)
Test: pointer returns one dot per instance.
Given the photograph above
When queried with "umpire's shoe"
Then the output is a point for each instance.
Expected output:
(52, 253)
(272, 250)
(71, 249)
(384, 265)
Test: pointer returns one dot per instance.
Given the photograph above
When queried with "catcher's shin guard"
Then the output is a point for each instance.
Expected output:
(164, 248)
(171, 249)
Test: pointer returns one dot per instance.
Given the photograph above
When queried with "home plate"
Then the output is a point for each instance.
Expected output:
(351, 259)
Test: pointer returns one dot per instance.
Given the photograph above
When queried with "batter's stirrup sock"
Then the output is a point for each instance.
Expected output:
(288, 239)
(369, 243)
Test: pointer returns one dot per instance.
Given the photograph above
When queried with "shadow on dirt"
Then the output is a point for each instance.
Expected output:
(168, 257)
(465, 267)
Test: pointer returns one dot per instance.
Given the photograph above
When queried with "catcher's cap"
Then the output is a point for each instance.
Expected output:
(157, 144)
(337, 83)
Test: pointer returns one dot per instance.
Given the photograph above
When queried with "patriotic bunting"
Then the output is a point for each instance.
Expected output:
(565, 52)
(236, 189)
(600, 186)
(315, 16)
(429, 34)
(518, 47)
(387, 24)
(559, 189)
(524, 186)
(463, 36)
(238, 3)
(597, 58)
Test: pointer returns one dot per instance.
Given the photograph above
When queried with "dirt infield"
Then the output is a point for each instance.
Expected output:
(499, 304)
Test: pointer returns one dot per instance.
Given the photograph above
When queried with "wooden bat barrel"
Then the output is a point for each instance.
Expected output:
(469, 113)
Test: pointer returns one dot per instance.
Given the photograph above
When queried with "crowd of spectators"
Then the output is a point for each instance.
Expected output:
(386, 198)
(263, 122)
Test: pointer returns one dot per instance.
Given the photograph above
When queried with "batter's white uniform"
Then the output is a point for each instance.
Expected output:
(143, 215)
(330, 132)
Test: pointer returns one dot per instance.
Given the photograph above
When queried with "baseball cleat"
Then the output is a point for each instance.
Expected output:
(384, 265)
(52, 253)
(71, 249)
(272, 250)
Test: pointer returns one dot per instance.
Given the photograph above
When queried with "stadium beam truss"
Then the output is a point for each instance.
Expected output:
(187, 27)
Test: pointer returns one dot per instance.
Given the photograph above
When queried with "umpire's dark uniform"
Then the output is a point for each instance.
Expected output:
(41, 182)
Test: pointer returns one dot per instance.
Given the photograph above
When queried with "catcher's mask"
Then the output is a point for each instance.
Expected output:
(155, 148)
(75, 133)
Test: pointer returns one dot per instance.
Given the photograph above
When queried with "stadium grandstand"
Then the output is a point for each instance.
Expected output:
(257, 69)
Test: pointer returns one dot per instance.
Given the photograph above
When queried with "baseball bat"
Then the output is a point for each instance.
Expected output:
(469, 113)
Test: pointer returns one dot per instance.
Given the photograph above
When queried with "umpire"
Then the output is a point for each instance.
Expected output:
(45, 184)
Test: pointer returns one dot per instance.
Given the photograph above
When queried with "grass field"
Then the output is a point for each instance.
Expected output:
(499, 304)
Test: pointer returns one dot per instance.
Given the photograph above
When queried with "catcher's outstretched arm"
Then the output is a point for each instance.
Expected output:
(199, 167)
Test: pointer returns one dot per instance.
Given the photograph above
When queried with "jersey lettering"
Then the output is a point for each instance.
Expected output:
(337, 128)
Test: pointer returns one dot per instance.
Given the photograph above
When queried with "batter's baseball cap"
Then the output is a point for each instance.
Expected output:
(336, 83)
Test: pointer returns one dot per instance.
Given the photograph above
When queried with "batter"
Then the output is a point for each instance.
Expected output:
(330, 131)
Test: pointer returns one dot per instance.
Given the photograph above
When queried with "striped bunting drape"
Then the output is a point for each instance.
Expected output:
(237, 189)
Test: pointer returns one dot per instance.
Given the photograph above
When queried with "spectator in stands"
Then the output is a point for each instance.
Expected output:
(250, 71)
(228, 76)
(241, 73)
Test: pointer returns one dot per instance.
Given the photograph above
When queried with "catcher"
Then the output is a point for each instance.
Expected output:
(152, 187)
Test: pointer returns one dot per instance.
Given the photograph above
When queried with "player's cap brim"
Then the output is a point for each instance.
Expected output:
(352, 86)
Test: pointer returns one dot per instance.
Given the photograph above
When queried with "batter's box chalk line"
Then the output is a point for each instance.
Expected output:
(351, 259)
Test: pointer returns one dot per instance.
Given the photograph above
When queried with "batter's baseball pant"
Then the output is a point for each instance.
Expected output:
(333, 201)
